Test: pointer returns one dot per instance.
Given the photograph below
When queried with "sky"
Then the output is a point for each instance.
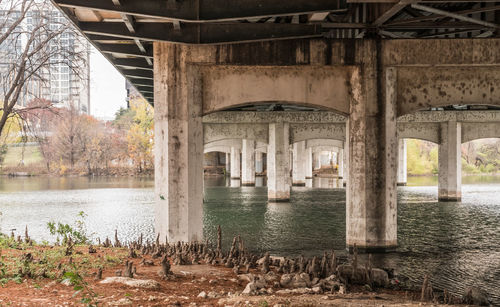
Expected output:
(107, 87)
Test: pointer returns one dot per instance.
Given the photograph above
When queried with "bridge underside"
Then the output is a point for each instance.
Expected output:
(369, 82)
(189, 66)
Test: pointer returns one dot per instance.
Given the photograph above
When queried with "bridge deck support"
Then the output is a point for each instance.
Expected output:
(299, 161)
(371, 207)
(340, 162)
(228, 165)
(309, 163)
(248, 163)
(235, 163)
(278, 163)
(450, 162)
(259, 162)
(178, 150)
(402, 166)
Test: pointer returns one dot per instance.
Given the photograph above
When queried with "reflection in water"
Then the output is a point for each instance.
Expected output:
(456, 243)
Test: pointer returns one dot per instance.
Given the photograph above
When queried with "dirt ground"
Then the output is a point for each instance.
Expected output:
(219, 284)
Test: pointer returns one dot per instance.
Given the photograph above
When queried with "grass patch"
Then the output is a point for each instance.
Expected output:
(14, 156)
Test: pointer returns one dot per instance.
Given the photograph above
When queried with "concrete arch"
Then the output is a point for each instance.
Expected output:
(218, 132)
(420, 88)
(303, 132)
(323, 87)
(324, 142)
(321, 148)
(475, 131)
(423, 131)
(224, 149)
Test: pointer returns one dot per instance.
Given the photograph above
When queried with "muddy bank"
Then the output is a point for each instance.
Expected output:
(197, 274)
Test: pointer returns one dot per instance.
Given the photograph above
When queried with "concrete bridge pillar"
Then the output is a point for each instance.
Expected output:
(235, 163)
(228, 164)
(259, 163)
(402, 167)
(371, 207)
(248, 163)
(178, 149)
(340, 163)
(278, 163)
(309, 163)
(299, 161)
(450, 162)
(317, 160)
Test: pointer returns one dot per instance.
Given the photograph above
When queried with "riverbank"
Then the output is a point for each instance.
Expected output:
(153, 274)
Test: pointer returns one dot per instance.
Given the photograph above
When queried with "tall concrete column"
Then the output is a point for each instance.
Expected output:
(371, 207)
(259, 163)
(450, 162)
(317, 160)
(248, 162)
(299, 164)
(278, 163)
(402, 167)
(228, 165)
(235, 163)
(178, 147)
(309, 162)
(340, 162)
(346, 155)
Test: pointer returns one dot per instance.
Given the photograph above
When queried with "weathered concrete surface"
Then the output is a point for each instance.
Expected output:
(302, 132)
(217, 132)
(372, 81)
(402, 166)
(246, 117)
(371, 205)
(323, 87)
(474, 131)
(299, 164)
(421, 130)
(450, 162)
(424, 87)
(278, 163)
(248, 163)
(324, 142)
(235, 163)
(178, 148)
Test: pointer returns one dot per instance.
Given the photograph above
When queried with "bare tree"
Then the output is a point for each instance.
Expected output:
(31, 32)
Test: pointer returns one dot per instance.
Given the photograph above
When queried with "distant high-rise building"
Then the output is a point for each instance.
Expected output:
(65, 80)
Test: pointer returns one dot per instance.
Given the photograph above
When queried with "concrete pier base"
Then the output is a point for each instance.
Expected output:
(450, 162)
(235, 163)
(278, 163)
(402, 166)
(299, 161)
(248, 163)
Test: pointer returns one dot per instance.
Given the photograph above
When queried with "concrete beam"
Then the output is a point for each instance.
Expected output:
(217, 132)
(273, 117)
(324, 142)
(302, 132)
(323, 87)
